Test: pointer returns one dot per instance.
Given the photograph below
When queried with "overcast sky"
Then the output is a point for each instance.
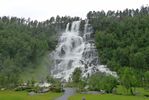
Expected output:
(44, 9)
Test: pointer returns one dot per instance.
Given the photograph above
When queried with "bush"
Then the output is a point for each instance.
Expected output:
(102, 81)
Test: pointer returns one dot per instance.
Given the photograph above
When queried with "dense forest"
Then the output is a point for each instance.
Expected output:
(121, 37)
(122, 40)
(24, 42)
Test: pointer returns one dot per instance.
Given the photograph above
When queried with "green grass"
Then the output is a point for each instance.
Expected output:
(139, 91)
(106, 97)
(13, 95)
(125, 95)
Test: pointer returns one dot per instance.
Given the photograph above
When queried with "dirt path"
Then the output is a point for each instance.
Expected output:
(68, 92)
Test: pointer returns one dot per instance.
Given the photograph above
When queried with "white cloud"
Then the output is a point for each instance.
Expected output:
(44, 9)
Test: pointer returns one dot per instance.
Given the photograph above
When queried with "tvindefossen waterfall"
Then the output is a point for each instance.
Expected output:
(75, 50)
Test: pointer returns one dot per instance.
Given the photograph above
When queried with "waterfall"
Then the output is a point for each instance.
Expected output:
(67, 28)
(74, 50)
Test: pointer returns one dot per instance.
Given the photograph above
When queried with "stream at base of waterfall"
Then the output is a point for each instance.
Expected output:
(76, 49)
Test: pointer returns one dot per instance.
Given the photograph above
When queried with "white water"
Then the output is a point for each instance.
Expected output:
(75, 51)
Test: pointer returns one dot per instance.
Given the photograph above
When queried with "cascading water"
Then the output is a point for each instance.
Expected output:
(74, 51)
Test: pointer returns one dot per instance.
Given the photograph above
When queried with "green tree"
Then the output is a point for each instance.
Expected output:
(138, 61)
(102, 81)
(76, 75)
(128, 79)
(146, 80)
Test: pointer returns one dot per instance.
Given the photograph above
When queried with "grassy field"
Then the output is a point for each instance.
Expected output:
(125, 95)
(139, 91)
(12, 95)
(106, 97)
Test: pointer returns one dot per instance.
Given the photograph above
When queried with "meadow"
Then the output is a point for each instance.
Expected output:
(14, 95)
(121, 94)
(106, 97)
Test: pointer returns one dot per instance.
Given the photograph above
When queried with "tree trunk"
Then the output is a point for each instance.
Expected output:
(131, 91)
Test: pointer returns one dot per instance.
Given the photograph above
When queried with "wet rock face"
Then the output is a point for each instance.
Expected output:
(90, 55)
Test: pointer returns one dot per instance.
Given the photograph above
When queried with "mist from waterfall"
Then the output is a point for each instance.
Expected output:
(74, 50)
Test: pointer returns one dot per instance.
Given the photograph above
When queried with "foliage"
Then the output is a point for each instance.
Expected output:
(50, 79)
(77, 80)
(24, 42)
(101, 81)
(122, 37)
(121, 90)
(146, 79)
(56, 84)
(128, 79)
(76, 75)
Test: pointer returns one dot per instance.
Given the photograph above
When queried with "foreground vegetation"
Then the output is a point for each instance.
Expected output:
(125, 84)
(106, 97)
(121, 93)
(13, 95)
